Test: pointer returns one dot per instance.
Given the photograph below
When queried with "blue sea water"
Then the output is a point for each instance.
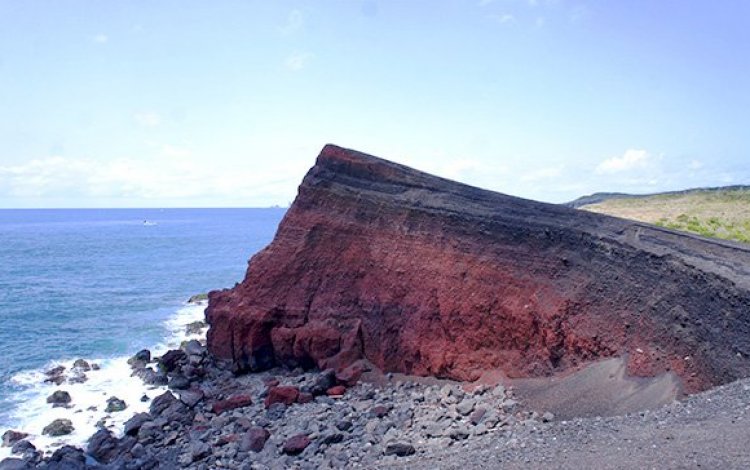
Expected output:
(104, 283)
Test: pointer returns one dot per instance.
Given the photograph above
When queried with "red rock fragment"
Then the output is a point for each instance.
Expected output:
(336, 391)
(350, 375)
(296, 444)
(226, 439)
(271, 382)
(255, 439)
(282, 394)
(379, 411)
(304, 397)
(231, 403)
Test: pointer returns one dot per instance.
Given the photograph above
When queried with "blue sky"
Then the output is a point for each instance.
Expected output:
(227, 103)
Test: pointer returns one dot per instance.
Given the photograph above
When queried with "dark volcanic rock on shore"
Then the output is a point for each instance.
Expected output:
(426, 276)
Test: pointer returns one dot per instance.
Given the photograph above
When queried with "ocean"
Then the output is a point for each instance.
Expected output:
(101, 284)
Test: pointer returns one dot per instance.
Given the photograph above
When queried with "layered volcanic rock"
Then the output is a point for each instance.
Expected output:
(427, 276)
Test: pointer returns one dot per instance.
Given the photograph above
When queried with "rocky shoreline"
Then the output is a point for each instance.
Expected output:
(212, 418)
(357, 418)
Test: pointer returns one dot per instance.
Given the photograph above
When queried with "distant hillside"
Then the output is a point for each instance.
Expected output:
(601, 197)
(711, 212)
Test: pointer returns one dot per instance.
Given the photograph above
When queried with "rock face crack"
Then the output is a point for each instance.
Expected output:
(427, 276)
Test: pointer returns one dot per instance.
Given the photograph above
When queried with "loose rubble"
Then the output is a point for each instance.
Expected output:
(211, 418)
(323, 419)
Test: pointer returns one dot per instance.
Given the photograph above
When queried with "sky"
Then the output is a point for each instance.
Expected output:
(161, 103)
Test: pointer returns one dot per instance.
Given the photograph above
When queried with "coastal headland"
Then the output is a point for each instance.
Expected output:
(401, 320)
(426, 276)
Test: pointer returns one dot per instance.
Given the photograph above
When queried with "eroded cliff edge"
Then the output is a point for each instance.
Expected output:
(427, 276)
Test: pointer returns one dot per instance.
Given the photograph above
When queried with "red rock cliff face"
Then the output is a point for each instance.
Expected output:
(423, 275)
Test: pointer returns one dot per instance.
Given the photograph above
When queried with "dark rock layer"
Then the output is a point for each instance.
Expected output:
(427, 276)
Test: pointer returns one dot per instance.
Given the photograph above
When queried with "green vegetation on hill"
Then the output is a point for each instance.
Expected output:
(718, 213)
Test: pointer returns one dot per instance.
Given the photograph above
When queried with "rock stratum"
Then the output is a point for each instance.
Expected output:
(427, 276)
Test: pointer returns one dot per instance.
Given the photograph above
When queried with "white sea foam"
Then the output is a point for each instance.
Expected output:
(89, 399)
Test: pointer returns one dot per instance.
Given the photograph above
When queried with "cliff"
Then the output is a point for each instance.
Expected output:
(427, 276)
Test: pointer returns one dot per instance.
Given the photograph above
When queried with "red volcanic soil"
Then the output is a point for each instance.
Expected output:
(426, 276)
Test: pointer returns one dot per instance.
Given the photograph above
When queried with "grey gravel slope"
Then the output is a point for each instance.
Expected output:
(709, 430)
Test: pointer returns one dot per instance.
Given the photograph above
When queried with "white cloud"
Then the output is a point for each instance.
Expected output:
(147, 118)
(294, 23)
(298, 61)
(484, 3)
(159, 178)
(173, 151)
(695, 165)
(628, 161)
(101, 38)
(502, 18)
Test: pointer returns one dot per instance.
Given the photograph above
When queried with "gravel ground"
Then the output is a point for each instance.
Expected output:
(709, 430)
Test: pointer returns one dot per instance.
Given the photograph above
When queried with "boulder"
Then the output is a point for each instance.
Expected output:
(12, 463)
(150, 376)
(10, 437)
(77, 377)
(21, 447)
(466, 406)
(67, 458)
(179, 382)
(191, 397)
(270, 382)
(58, 427)
(254, 439)
(195, 328)
(194, 299)
(143, 356)
(231, 403)
(162, 403)
(336, 391)
(199, 450)
(56, 375)
(115, 405)
(168, 407)
(400, 449)
(282, 394)
(295, 445)
(194, 348)
(323, 382)
(59, 370)
(59, 398)
(350, 375)
(305, 397)
(332, 438)
(477, 415)
(82, 365)
(379, 411)
(103, 446)
(172, 359)
(131, 426)
(344, 425)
